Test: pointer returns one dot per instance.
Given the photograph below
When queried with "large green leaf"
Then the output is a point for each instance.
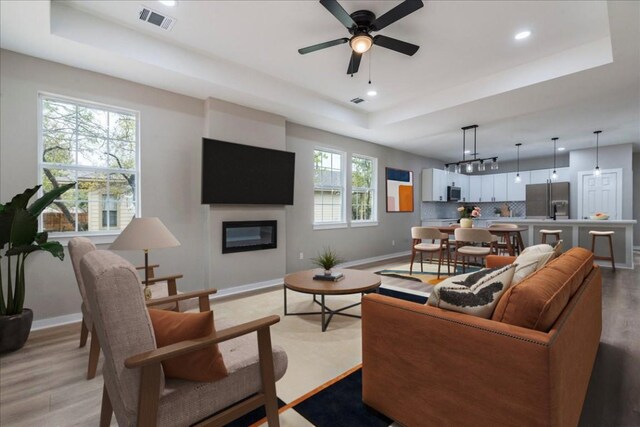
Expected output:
(7, 213)
(23, 249)
(42, 237)
(23, 228)
(54, 248)
(39, 205)
(20, 201)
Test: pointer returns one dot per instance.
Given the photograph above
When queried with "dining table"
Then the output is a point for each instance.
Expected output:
(505, 232)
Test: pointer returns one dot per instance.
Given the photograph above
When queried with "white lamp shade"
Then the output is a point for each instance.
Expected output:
(145, 233)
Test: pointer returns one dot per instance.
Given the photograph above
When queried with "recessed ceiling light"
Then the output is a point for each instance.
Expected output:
(467, 151)
(372, 92)
(522, 35)
(561, 148)
(168, 2)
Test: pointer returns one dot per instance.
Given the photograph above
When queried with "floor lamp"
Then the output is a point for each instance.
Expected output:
(145, 233)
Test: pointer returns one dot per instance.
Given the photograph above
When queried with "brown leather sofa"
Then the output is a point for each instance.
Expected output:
(529, 365)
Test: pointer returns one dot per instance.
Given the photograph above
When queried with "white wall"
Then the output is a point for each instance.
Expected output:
(171, 131)
(636, 199)
(610, 157)
(234, 123)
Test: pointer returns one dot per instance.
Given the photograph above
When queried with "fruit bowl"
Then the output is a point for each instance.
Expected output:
(599, 216)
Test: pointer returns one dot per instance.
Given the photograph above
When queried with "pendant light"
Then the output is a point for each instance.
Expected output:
(468, 165)
(596, 171)
(554, 175)
(517, 180)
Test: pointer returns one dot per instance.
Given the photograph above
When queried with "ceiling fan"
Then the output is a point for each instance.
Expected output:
(361, 24)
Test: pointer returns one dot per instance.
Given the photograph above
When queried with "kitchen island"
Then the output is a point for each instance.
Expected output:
(575, 232)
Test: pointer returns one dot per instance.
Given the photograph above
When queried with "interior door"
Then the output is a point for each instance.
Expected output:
(600, 194)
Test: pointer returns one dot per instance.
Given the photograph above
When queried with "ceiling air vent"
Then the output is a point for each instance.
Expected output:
(357, 100)
(156, 18)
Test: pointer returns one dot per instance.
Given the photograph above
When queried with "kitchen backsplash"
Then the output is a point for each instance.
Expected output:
(436, 210)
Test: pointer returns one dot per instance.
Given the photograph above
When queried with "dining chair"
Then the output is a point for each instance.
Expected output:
(501, 244)
(466, 241)
(418, 234)
(135, 386)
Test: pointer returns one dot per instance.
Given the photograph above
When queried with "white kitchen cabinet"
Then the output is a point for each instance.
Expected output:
(516, 191)
(499, 187)
(463, 183)
(540, 176)
(475, 188)
(434, 185)
(486, 189)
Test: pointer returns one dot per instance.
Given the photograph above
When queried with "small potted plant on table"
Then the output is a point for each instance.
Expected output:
(467, 215)
(327, 259)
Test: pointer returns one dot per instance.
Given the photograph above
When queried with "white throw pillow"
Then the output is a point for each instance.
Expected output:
(527, 263)
(542, 247)
(474, 293)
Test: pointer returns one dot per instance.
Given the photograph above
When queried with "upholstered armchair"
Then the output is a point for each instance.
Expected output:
(135, 387)
(162, 287)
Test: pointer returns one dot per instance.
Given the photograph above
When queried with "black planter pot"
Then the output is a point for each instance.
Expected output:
(14, 330)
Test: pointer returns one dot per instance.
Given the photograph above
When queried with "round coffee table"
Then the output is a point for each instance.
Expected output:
(354, 282)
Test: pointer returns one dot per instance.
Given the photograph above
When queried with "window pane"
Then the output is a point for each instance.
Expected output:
(58, 148)
(363, 189)
(59, 216)
(122, 154)
(58, 117)
(122, 127)
(92, 151)
(329, 187)
(92, 123)
(54, 178)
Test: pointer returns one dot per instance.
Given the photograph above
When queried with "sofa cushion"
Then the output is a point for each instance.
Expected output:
(202, 365)
(475, 293)
(538, 300)
(542, 247)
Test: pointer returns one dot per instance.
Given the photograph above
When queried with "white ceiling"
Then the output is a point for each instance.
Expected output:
(580, 69)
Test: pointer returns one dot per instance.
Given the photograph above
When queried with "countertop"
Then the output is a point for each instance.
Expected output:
(602, 222)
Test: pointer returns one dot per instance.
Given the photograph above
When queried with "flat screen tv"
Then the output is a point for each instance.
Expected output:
(243, 174)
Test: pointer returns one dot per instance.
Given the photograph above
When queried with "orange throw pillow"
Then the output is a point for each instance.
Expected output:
(171, 327)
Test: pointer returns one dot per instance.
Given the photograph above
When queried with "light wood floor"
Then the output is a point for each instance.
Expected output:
(44, 383)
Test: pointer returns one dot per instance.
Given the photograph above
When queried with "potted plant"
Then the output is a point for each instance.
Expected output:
(467, 215)
(327, 259)
(19, 233)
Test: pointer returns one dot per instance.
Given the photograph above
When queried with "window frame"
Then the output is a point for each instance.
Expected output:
(98, 237)
(342, 222)
(374, 188)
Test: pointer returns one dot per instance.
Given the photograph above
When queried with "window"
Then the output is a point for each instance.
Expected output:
(95, 146)
(363, 188)
(328, 187)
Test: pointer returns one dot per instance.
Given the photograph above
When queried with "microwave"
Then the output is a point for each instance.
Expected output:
(453, 194)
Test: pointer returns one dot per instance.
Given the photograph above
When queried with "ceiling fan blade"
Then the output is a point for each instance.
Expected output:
(398, 12)
(354, 63)
(324, 45)
(395, 44)
(338, 11)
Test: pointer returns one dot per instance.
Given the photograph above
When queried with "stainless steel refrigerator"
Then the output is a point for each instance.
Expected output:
(549, 200)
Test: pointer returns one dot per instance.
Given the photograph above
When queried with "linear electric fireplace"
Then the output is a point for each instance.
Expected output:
(242, 236)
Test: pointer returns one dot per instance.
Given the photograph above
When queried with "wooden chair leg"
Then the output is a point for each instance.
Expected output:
(448, 259)
(268, 377)
(107, 410)
(149, 395)
(439, 261)
(94, 354)
(613, 263)
(413, 255)
(84, 333)
(544, 238)
(593, 243)
(455, 261)
(421, 262)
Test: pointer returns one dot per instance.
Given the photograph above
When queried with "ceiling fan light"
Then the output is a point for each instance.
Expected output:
(361, 43)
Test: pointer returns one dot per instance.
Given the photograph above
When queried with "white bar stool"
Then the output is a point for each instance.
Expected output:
(607, 234)
(546, 233)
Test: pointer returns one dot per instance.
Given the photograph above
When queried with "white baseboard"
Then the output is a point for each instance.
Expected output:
(221, 294)
(56, 321)
(374, 259)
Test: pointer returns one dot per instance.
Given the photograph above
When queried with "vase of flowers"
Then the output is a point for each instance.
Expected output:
(467, 215)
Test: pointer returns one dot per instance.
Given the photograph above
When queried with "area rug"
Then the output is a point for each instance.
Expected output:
(336, 403)
(429, 275)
